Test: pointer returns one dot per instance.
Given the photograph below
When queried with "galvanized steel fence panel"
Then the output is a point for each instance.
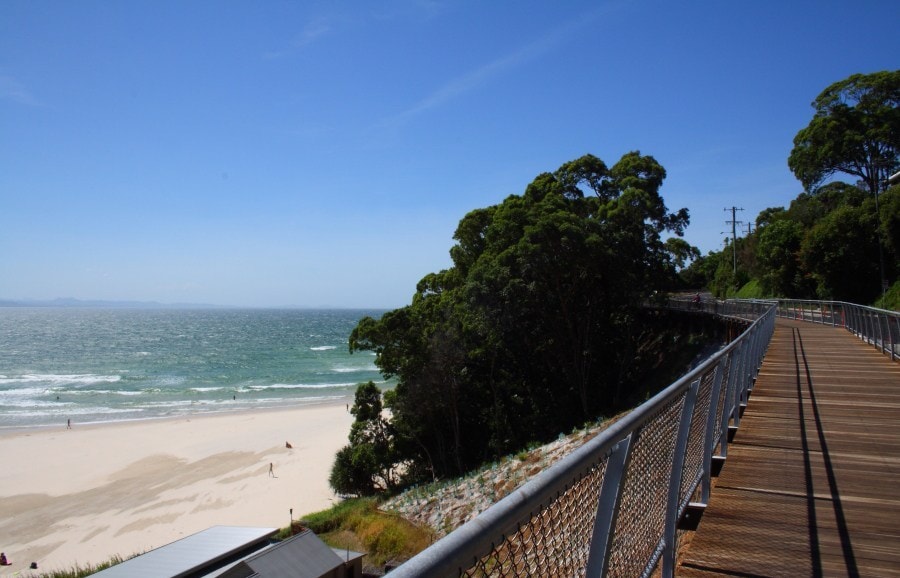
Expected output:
(610, 508)
(877, 327)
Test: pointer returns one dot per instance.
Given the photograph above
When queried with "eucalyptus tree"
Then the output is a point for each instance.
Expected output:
(531, 330)
(855, 130)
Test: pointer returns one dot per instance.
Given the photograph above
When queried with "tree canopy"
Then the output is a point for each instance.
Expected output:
(367, 464)
(855, 131)
(834, 239)
(531, 330)
(823, 246)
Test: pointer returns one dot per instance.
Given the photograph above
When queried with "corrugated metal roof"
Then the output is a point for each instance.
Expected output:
(189, 554)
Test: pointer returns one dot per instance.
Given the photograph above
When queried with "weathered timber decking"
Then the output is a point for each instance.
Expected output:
(811, 485)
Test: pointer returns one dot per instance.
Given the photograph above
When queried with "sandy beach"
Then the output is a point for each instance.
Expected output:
(84, 494)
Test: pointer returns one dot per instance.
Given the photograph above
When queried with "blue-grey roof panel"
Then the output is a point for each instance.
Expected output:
(190, 553)
(303, 556)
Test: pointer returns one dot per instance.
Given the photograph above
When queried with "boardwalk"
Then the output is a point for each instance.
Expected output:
(811, 486)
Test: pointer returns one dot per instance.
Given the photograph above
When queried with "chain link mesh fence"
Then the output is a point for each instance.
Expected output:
(550, 526)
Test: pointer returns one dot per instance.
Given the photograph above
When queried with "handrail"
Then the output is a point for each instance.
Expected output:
(743, 309)
(878, 327)
(612, 506)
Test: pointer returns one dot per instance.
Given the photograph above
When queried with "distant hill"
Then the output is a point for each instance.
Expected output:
(101, 304)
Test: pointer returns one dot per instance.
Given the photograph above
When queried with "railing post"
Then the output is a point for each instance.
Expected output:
(711, 428)
(866, 330)
(727, 406)
(871, 329)
(677, 474)
(870, 338)
(740, 381)
(852, 322)
(894, 343)
(608, 508)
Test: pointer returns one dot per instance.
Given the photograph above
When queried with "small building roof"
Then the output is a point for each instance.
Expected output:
(302, 556)
(191, 554)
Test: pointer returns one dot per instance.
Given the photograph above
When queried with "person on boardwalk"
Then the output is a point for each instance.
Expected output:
(271, 470)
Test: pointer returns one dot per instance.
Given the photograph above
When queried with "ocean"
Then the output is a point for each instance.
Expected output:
(98, 365)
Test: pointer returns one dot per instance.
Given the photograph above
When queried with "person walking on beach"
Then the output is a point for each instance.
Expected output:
(68, 424)
(271, 470)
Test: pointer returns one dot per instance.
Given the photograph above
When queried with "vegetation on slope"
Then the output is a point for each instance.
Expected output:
(535, 328)
(78, 571)
(359, 525)
(836, 240)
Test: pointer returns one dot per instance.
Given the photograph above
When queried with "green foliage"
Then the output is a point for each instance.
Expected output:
(366, 465)
(891, 299)
(533, 328)
(344, 514)
(855, 131)
(752, 290)
(808, 208)
(889, 222)
(78, 571)
(778, 255)
(360, 526)
(833, 241)
(728, 279)
(824, 246)
(841, 251)
(701, 272)
(665, 350)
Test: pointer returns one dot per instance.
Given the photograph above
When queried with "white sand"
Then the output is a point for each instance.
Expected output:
(85, 494)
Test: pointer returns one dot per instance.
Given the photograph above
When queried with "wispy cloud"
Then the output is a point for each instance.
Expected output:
(309, 34)
(13, 90)
(483, 74)
(419, 9)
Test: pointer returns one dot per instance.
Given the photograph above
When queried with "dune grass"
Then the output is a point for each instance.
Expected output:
(76, 571)
(358, 525)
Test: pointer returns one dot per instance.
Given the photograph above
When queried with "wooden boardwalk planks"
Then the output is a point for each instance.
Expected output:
(811, 486)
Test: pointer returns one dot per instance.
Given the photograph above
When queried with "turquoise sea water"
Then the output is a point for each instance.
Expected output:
(95, 365)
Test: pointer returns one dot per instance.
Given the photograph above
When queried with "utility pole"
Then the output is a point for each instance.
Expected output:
(749, 228)
(734, 223)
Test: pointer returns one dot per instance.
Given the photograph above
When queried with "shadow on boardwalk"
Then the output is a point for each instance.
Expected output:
(810, 487)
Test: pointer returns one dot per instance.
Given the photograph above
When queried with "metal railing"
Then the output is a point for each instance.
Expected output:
(611, 507)
(877, 327)
(744, 309)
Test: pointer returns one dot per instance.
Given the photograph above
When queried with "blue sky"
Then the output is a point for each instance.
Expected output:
(322, 153)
